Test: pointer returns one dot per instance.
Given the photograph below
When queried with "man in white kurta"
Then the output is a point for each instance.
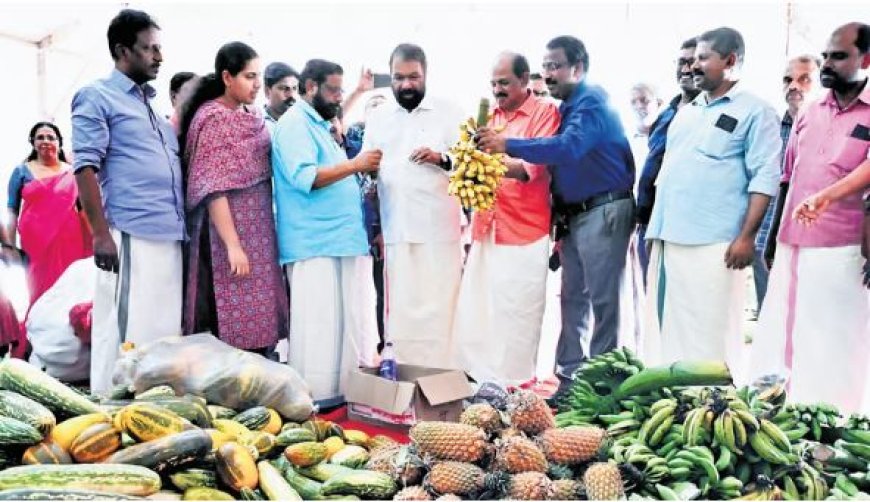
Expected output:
(420, 221)
(815, 321)
(503, 292)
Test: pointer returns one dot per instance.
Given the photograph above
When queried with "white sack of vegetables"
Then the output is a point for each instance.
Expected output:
(205, 366)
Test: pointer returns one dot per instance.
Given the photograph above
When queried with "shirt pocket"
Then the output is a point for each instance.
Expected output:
(717, 143)
(849, 154)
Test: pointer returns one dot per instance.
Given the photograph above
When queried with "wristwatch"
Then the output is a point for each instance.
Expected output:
(445, 162)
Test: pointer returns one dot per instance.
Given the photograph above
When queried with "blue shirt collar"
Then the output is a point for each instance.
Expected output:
(735, 91)
(123, 82)
(312, 114)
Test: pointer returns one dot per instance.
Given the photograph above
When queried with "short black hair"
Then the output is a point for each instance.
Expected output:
(574, 49)
(520, 65)
(317, 70)
(409, 52)
(125, 27)
(179, 79)
(278, 71)
(862, 40)
(725, 41)
(689, 44)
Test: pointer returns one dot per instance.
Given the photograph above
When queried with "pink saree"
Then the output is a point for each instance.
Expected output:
(229, 155)
(53, 233)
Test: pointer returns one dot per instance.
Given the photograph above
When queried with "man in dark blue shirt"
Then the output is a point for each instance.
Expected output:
(593, 173)
(658, 137)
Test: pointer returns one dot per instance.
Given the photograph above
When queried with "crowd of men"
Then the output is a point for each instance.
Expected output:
(722, 173)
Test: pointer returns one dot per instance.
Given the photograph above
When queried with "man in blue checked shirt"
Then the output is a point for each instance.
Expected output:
(130, 184)
(720, 169)
(592, 178)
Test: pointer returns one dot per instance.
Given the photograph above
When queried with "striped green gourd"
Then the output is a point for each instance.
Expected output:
(108, 478)
(21, 377)
(14, 405)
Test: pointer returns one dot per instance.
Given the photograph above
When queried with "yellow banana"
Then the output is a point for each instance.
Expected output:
(739, 432)
(748, 420)
(728, 431)
(765, 448)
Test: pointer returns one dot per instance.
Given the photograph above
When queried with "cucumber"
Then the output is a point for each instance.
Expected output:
(158, 392)
(194, 477)
(206, 494)
(14, 431)
(29, 381)
(273, 484)
(61, 494)
(14, 405)
(254, 419)
(364, 484)
(307, 488)
(167, 452)
(107, 478)
(322, 471)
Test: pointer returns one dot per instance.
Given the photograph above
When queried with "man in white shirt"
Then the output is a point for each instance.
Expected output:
(420, 221)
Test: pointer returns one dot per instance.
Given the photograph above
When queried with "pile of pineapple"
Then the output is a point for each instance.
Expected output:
(517, 455)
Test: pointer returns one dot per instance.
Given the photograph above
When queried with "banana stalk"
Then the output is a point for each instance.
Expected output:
(679, 374)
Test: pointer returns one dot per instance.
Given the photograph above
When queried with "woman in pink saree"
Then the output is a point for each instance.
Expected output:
(234, 285)
(43, 211)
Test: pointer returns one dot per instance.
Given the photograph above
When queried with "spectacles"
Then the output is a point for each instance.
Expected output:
(685, 62)
(333, 90)
(45, 137)
(553, 65)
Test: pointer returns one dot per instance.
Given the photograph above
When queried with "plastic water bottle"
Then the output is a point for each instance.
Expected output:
(388, 368)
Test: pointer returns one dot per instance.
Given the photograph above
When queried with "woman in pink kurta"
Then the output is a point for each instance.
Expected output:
(234, 284)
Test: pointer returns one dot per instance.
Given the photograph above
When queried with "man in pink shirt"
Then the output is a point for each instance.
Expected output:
(502, 295)
(816, 316)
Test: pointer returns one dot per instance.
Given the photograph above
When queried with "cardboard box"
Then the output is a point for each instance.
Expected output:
(419, 394)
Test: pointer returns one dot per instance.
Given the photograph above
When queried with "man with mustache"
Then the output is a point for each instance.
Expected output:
(502, 296)
(658, 134)
(419, 220)
(816, 316)
(322, 239)
(281, 87)
(593, 175)
(798, 82)
(719, 171)
(129, 177)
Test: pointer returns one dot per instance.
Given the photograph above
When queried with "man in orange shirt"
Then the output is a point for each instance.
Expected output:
(502, 295)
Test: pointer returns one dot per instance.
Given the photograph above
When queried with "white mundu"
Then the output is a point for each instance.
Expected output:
(420, 222)
(139, 304)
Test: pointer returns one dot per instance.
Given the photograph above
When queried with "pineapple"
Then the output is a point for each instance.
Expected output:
(460, 478)
(413, 493)
(380, 441)
(518, 454)
(449, 441)
(381, 459)
(565, 489)
(482, 415)
(603, 481)
(509, 433)
(559, 471)
(529, 486)
(571, 445)
(529, 412)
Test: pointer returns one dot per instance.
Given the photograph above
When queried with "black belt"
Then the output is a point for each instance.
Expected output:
(575, 208)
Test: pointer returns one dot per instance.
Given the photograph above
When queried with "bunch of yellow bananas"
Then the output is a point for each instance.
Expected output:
(477, 175)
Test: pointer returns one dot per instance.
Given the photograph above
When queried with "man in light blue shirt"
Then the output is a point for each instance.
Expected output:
(322, 239)
(720, 169)
(129, 178)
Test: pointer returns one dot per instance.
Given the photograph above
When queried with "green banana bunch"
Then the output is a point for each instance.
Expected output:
(573, 417)
(809, 484)
(771, 444)
(762, 489)
(694, 462)
(727, 488)
(697, 426)
(799, 419)
(663, 416)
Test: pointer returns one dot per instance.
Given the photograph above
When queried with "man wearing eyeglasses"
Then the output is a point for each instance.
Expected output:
(815, 319)
(322, 239)
(592, 178)
(419, 219)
